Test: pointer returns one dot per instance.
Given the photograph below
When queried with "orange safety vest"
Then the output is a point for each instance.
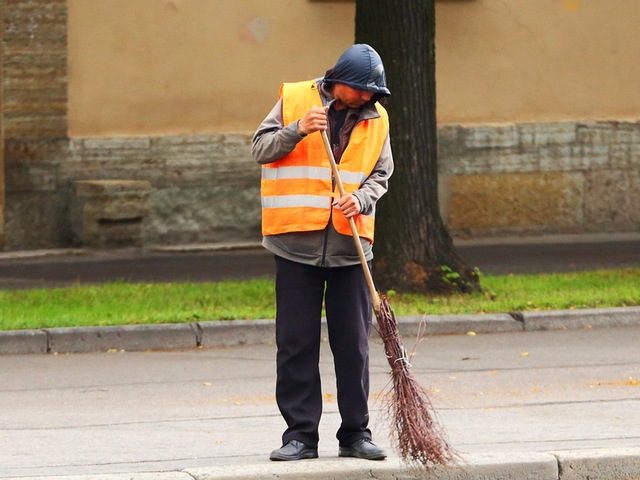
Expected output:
(296, 190)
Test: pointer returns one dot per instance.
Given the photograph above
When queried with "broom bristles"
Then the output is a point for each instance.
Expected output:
(421, 438)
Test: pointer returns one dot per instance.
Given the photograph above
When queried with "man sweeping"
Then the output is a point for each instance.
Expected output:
(305, 223)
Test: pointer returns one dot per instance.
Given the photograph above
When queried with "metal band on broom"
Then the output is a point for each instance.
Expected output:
(421, 439)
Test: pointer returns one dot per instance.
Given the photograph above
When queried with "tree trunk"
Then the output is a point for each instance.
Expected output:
(414, 251)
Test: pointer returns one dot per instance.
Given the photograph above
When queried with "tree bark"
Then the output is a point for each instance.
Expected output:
(414, 250)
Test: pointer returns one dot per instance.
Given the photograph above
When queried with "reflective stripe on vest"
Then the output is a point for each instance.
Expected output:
(311, 173)
(297, 189)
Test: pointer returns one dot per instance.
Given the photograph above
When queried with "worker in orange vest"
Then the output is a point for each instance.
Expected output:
(305, 224)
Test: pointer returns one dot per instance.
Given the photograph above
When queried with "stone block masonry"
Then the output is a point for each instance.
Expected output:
(565, 177)
(34, 122)
(515, 200)
(35, 69)
(496, 180)
(1, 127)
(109, 213)
(203, 188)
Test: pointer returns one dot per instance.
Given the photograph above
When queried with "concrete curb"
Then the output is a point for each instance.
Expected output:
(623, 463)
(525, 466)
(252, 332)
(15, 342)
(614, 464)
(457, 324)
(583, 318)
(127, 337)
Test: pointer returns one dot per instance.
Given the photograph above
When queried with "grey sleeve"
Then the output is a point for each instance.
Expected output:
(273, 140)
(377, 183)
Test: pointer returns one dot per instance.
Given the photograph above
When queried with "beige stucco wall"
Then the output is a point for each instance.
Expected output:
(193, 66)
(537, 60)
(154, 67)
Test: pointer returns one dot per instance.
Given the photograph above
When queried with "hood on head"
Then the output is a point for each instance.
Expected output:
(360, 67)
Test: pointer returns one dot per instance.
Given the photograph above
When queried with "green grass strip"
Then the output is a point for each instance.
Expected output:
(132, 303)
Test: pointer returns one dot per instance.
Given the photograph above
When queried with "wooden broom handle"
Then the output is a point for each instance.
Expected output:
(354, 231)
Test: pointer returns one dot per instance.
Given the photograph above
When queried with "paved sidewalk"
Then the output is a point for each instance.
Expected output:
(546, 404)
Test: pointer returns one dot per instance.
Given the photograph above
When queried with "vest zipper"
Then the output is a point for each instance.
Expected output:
(325, 241)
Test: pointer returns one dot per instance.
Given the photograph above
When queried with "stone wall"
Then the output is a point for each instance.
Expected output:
(1, 127)
(34, 64)
(204, 188)
(541, 178)
(496, 180)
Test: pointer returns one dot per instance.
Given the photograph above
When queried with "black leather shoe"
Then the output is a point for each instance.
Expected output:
(363, 448)
(294, 450)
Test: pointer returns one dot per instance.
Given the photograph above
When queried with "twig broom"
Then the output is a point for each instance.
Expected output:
(421, 439)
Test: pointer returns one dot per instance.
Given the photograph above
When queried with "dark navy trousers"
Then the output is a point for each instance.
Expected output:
(300, 292)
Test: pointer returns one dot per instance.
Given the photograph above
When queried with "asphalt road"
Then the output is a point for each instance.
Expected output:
(59, 268)
(502, 393)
